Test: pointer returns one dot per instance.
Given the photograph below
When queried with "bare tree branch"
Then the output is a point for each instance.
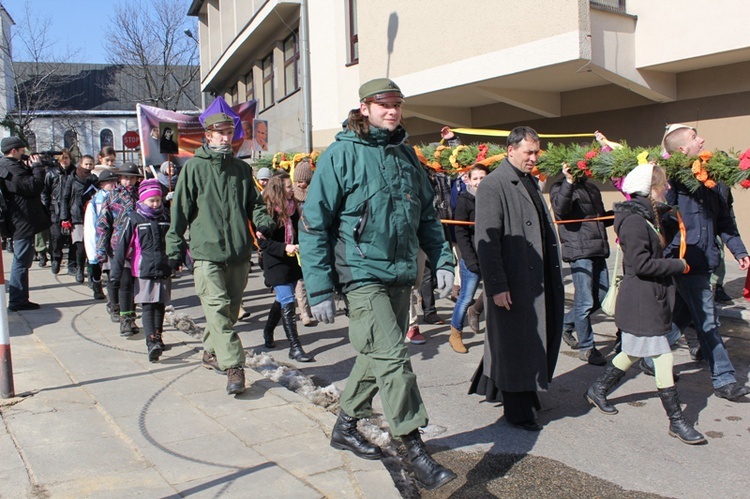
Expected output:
(158, 61)
(34, 80)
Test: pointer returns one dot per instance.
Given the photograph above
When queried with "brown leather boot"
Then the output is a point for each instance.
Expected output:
(456, 342)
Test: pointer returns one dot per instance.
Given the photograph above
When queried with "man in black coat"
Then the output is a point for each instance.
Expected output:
(586, 248)
(26, 214)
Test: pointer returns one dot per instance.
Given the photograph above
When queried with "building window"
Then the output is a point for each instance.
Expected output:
(353, 33)
(235, 94)
(291, 64)
(106, 138)
(31, 140)
(249, 87)
(267, 65)
(70, 139)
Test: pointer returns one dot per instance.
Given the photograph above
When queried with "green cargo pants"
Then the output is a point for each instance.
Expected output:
(378, 317)
(220, 288)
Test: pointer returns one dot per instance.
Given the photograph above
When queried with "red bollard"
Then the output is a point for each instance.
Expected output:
(6, 365)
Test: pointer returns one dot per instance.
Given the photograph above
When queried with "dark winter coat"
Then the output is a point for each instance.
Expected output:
(143, 244)
(278, 267)
(706, 214)
(578, 201)
(77, 193)
(518, 355)
(647, 293)
(23, 188)
(54, 187)
(465, 208)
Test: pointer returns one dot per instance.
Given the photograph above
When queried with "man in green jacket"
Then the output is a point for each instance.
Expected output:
(368, 211)
(216, 199)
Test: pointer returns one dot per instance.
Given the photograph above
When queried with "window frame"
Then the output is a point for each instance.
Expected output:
(249, 84)
(352, 32)
(102, 145)
(291, 61)
(268, 80)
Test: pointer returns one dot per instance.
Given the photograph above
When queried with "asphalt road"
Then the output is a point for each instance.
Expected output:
(580, 452)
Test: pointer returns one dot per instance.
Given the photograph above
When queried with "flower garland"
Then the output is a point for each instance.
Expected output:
(285, 160)
(459, 159)
(605, 163)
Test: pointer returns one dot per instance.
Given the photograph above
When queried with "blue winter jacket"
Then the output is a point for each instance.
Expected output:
(706, 214)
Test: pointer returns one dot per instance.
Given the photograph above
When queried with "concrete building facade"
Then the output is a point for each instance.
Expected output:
(626, 67)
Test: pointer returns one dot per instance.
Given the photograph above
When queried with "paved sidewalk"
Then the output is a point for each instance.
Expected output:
(93, 418)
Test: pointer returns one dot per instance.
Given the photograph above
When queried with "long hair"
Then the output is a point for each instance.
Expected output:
(658, 181)
(358, 123)
(275, 197)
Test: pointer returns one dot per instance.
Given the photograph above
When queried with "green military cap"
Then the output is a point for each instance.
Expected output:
(380, 89)
(213, 121)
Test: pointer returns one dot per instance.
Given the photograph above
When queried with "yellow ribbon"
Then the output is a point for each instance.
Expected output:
(489, 132)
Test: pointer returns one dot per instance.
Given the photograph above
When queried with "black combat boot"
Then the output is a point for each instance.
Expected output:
(346, 436)
(289, 319)
(153, 345)
(96, 286)
(429, 473)
(597, 392)
(274, 316)
(678, 427)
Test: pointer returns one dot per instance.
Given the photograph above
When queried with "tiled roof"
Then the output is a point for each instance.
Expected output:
(100, 87)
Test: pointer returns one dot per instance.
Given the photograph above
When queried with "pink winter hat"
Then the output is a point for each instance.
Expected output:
(148, 189)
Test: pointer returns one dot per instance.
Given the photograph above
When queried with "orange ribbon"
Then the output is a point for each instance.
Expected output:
(595, 219)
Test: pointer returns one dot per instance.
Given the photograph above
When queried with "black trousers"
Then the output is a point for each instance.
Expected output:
(122, 293)
(57, 242)
(427, 290)
(520, 406)
(152, 316)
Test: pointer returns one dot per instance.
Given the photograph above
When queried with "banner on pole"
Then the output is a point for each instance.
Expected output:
(163, 131)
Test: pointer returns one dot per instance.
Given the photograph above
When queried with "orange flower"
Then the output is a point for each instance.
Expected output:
(696, 167)
(705, 155)
(702, 176)
(709, 183)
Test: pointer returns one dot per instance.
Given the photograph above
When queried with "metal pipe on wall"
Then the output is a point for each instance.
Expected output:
(304, 49)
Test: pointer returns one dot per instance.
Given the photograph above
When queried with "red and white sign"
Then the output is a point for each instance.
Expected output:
(131, 139)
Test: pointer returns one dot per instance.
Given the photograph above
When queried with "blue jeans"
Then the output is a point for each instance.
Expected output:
(590, 281)
(695, 289)
(285, 293)
(469, 285)
(18, 285)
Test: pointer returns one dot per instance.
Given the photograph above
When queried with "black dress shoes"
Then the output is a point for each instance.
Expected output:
(24, 306)
(529, 425)
(731, 391)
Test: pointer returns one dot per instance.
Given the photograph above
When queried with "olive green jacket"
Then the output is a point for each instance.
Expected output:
(215, 198)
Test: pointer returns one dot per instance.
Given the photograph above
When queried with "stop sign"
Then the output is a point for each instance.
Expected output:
(131, 139)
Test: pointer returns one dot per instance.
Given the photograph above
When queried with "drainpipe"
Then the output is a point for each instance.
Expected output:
(304, 54)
